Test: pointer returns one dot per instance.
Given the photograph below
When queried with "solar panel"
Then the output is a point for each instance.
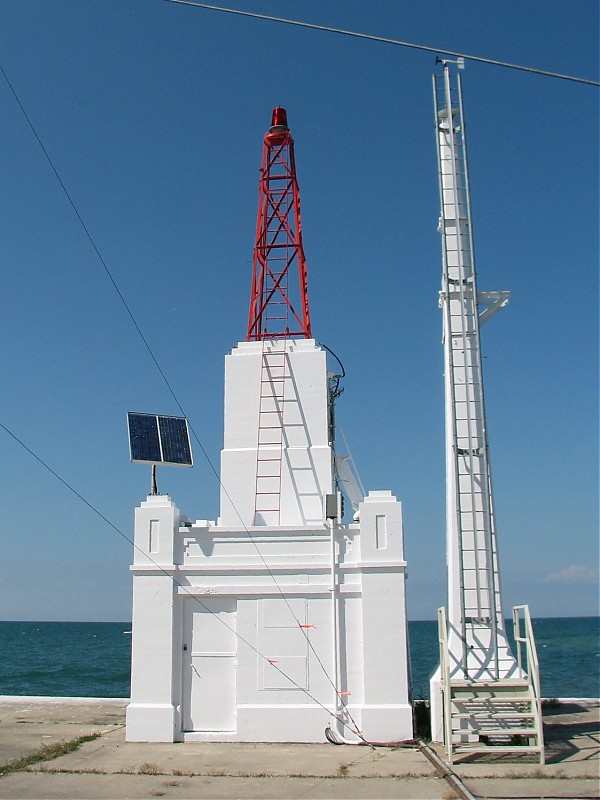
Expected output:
(155, 439)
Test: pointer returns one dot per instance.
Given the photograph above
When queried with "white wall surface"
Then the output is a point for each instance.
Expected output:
(277, 427)
(217, 636)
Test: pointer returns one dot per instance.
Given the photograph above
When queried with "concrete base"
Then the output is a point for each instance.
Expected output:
(151, 722)
(386, 723)
(306, 724)
(108, 767)
(436, 707)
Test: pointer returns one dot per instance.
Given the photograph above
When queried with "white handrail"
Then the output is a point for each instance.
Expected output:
(445, 679)
(521, 614)
(532, 670)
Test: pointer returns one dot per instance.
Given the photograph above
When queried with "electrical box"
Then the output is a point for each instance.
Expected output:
(334, 506)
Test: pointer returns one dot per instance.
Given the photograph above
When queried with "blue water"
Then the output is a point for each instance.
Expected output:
(568, 651)
(65, 659)
(91, 659)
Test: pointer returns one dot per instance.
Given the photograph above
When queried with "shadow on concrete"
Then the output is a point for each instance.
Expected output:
(580, 741)
(559, 708)
(571, 731)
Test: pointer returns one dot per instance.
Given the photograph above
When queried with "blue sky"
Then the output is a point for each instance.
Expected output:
(153, 114)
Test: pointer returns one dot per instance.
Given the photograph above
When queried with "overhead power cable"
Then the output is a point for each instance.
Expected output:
(89, 236)
(175, 398)
(386, 40)
(179, 585)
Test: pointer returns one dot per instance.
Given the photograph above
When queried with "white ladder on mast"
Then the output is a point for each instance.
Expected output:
(485, 691)
(270, 444)
(480, 606)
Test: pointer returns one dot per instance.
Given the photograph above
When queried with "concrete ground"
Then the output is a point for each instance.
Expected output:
(109, 767)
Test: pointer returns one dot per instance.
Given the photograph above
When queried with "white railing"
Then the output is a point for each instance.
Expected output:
(528, 668)
(445, 680)
(523, 633)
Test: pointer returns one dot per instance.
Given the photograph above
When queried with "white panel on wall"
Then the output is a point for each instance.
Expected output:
(283, 642)
(209, 664)
(292, 673)
(380, 532)
(153, 536)
(278, 612)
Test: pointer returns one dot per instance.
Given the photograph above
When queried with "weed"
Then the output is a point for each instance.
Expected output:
(148, 768)
(343, 770)
(47, 752)
(267, 774)
(157, 793)
(550, 702)
(450, 794)
(537, 773)
(62, 771)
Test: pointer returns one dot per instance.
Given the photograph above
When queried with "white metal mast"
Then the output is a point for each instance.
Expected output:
(477, 644)
(482, 697)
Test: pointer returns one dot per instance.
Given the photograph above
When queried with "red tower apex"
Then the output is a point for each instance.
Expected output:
(279, 298)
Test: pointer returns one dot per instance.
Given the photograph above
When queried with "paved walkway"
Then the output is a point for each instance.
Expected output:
(109, 767)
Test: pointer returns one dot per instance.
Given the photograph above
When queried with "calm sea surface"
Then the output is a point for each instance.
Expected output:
(91, 659)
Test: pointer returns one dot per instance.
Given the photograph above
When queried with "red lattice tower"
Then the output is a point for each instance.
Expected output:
(278, 306)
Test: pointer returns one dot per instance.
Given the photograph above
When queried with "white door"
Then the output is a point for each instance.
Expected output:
(209, 665)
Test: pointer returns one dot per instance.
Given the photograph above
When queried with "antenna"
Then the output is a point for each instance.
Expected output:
(155, 439)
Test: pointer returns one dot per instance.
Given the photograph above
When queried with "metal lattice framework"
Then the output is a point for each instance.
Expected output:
(278, 306)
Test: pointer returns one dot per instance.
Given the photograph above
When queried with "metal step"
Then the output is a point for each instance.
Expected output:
(505, 684)
(486, 696)
(506, 732)
(482, 748)
(484, 715)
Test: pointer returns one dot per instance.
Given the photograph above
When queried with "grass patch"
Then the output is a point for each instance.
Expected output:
(342, 772)
(547, 774)
(47, 752)
(551, 702)
(450, 794)
(62, 771)
(149, 768)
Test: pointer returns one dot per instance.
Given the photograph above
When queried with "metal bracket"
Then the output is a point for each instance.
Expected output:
(489, 303)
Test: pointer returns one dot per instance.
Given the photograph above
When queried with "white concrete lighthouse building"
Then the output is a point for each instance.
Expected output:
(276, 622)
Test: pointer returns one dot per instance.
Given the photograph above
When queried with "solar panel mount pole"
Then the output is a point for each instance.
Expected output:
(153, 487)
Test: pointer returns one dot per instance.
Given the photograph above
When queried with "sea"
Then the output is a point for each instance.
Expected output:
(92, 659)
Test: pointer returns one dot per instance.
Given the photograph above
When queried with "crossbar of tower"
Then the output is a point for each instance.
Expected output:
(279, 295)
